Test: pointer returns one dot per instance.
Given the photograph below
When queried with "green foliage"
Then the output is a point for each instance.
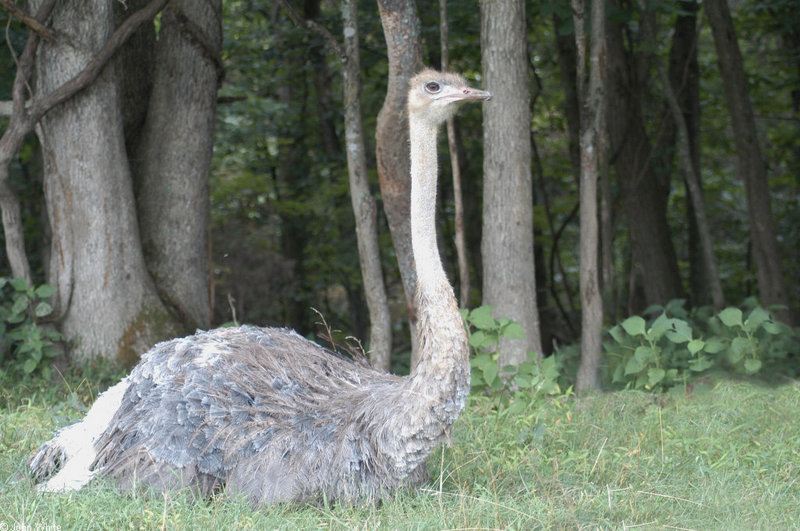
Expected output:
(676, 346)
(25, 345)
(526, 381)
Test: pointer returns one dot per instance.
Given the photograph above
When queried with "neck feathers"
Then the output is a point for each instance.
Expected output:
(442, 339)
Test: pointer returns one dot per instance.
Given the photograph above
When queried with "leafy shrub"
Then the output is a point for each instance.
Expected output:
(677, 346)
(530, 377)
(26, 345)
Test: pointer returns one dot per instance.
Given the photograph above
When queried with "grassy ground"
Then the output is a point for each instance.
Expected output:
(724, 456)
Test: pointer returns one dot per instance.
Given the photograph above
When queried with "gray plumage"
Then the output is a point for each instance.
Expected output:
(268, 414)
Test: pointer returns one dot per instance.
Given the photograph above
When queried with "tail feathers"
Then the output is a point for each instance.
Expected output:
(48, 459)
(65, 461)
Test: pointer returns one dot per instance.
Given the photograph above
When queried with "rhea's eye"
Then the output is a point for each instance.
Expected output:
(432, 87)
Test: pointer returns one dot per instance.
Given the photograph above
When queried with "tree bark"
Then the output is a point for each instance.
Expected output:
(644, 185)
(751, 167)
(173, 158)
(364, 205)
(105, 299)
(455, 166)
(401, 27)
(682, 54)
(592, 124)
(684, 75)
(507, 241)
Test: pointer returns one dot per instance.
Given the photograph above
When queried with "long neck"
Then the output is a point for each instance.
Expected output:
(443, 362)
(424, 174)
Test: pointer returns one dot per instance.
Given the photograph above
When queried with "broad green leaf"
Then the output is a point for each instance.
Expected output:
(45, 291)
(481, 361)
(771, 327)
(514, 331)
(644, 354)
(755, 319)
(653, 308)
(739, 347)
(695, 345)
(752, 366)
(30, 365)
(634, 366)
(616, 333)
(700, 364)
(523, 381)
(42, 309)
(634, 325)
(20, 304)
(661, 324)
(480, 339)
(481, 317)
(655, 375)
(714, 345)
(19, 284)
(681, 329)
(490, 373)
(550, 387)
(731, 317)
(619, 374)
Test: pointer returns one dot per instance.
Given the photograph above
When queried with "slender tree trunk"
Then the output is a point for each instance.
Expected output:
(173, 159)
(592, 124)
(750, 162)
(401, 27)
(364, 206)
(682, 53)
(684, 74)
(695, 193)
(105, 298)
(21, 123)
(507, 239)
(455, 165)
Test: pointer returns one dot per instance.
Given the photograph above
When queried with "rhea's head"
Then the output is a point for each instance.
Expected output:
(435, 96)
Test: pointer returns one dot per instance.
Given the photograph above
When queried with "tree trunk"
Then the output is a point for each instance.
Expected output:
(751, 167)
(684, 75)
(21, 123)
(592, 124)
(455, 167)
(681, 58)
(507, 239)
(105, 298)
(173, 158)
(364, 206)
(644, 185)
(401, 27)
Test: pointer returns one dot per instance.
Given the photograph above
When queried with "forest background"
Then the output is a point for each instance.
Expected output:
(265, 229)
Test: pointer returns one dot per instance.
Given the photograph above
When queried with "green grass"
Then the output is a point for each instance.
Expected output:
(725, 456)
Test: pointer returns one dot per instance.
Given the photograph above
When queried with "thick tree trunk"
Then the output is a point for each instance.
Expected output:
(401, 27)
(364, 205)
(751, 167)
(644, 186)
(173, 158)
(105, 298)
(507, 240)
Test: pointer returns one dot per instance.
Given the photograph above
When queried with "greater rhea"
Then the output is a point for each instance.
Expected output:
(264, 412)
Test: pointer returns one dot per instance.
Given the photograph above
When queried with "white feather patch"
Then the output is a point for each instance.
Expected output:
(78, 441)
